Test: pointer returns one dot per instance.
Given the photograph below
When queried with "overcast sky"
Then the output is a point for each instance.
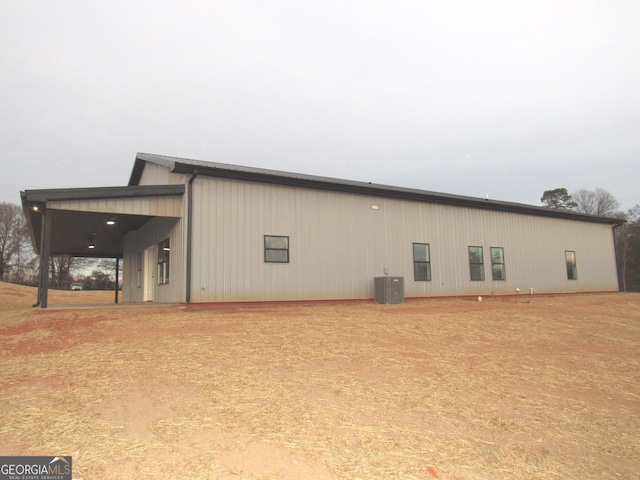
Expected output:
(505, 98)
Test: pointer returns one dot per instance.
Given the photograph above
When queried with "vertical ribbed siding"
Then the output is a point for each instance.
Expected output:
(159, 175)
(338, 244)
(148, 236)
(154, 206)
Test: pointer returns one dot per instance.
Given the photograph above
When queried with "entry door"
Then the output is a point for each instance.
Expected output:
(149, 269)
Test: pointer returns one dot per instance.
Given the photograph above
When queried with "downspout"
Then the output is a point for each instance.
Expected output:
(38, 298)
(189, 234)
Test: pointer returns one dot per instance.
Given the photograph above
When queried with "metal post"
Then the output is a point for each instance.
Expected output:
(44, 258)
(117, 283)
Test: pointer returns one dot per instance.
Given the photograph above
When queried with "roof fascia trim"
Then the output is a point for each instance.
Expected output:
(103, 193)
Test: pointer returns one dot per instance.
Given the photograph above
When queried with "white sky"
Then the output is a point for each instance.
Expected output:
(506, 98)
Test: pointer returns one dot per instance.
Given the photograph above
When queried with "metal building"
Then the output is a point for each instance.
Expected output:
(192, 231)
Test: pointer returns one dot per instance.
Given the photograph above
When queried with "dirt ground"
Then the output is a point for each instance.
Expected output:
(521, 387)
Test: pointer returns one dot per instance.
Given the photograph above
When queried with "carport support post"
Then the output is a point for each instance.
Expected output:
(117, 283)
(44, 258)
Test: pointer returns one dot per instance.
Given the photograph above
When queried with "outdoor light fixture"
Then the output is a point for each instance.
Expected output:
(111, 221)
(91, 244)
(35, 208)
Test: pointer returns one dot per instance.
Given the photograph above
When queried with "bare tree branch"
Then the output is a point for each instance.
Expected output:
(596, 202)
(13, 235)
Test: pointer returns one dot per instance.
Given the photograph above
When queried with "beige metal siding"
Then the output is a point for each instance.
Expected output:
(231, 219)
(148, 237)
(153, 206)
(533, 247)
(338, 244)
(153, 174)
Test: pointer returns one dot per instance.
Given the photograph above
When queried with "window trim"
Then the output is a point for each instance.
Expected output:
(420, 262)
(504, 271)
(572, 274)
(481, 263)
(164, 259)
(267, 249)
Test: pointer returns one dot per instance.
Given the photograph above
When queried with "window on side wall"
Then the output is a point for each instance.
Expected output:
(164, 250)
(276, 249)
(476, 263)
(572, 267)
(497, 263)
(421, 262)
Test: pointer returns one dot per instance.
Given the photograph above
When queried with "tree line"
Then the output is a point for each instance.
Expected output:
(19, 264)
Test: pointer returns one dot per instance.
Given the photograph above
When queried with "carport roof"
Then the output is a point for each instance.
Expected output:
(73, 230)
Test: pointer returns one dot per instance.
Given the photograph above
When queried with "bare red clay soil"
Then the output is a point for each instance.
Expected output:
(522, 387)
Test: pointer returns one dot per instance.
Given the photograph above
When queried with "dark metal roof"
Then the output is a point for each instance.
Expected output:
(221, 170)
(98, 193)
(73, 230)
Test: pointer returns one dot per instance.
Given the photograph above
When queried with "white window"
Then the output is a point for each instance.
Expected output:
(163, 262)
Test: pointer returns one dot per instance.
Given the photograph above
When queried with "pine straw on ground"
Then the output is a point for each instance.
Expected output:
(518, 388)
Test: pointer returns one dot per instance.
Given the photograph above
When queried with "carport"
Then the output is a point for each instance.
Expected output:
(92, 222)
